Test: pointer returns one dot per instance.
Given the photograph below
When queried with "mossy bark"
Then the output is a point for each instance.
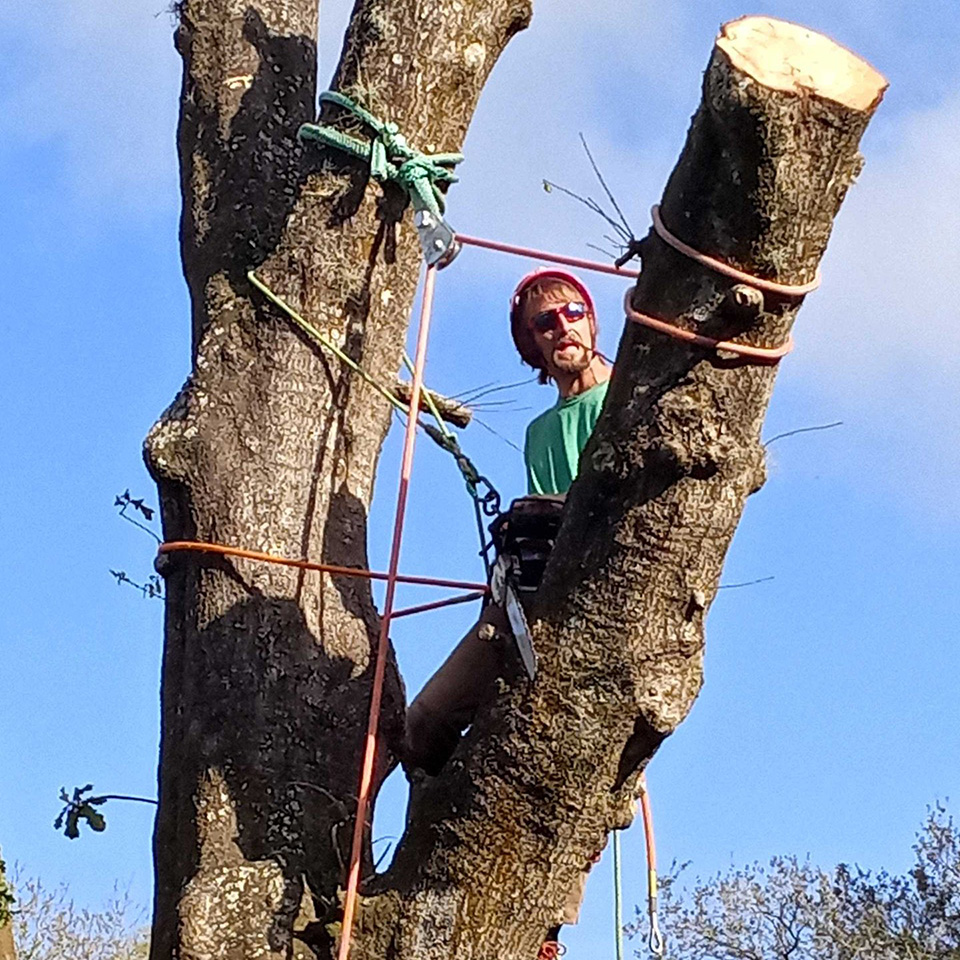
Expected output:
(271, 445)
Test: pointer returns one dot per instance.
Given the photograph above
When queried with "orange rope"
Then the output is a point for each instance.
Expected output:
(718, 266)
(197, 546)
(761, 355)
(655, 939)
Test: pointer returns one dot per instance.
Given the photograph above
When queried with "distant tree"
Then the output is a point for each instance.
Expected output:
(793, 910)
(48, 925)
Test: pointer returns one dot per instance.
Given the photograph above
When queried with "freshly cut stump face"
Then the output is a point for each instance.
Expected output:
(786, 56)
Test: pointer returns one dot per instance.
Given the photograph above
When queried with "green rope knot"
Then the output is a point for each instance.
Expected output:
(390, 156)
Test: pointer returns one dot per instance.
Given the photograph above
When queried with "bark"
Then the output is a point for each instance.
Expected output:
(8, 950)
(453, 411)
(270, 445)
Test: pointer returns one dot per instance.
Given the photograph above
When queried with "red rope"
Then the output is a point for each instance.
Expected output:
(718, 266)
(760, 355)
(437, 604)
(369, 753)
(578, 262)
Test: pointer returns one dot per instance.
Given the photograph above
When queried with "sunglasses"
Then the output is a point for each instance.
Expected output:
(546, 320)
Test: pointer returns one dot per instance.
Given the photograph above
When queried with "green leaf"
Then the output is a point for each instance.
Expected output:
(96, 821)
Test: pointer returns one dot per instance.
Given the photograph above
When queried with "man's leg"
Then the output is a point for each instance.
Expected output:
(446, 706)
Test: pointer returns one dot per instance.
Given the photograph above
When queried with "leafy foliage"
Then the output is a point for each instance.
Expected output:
(793, 910)
(48, 925)
(77, 808)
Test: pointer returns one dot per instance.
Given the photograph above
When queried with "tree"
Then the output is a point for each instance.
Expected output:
(272, 445)
(47, 925)
(793, 910)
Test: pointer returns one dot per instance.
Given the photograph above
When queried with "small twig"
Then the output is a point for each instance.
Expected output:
(588, 202)
(493, 404)
(124, 500)
(793, 433)
(603, 250)
(123, 796)
(464, 393)
(625, 240)
(470, 397)
(626, 233)
(152, 589)
(746, 583)
(489, 429)
(383, 856)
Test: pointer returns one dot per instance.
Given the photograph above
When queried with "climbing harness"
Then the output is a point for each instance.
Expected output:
(392, 159)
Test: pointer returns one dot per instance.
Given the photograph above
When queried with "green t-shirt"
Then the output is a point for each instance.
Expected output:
(555, 439)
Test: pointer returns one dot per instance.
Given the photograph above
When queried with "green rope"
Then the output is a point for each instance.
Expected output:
(390, 157)
(617, 896)
(311, 331)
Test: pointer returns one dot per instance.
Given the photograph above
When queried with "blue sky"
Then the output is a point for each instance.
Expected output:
(828, 719)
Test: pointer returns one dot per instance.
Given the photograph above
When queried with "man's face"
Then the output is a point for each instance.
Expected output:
(564, 338)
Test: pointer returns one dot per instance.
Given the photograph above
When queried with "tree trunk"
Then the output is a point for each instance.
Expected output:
(271, 445)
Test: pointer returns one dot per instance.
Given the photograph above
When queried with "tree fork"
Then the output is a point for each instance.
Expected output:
(271, 445)
(495, 842)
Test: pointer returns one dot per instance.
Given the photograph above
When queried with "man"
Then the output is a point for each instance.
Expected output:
(554, 327)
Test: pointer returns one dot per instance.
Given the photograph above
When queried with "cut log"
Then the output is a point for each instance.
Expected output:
(497, 840)
(452, 411)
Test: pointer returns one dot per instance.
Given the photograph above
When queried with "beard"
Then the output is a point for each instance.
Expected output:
(575, 362)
